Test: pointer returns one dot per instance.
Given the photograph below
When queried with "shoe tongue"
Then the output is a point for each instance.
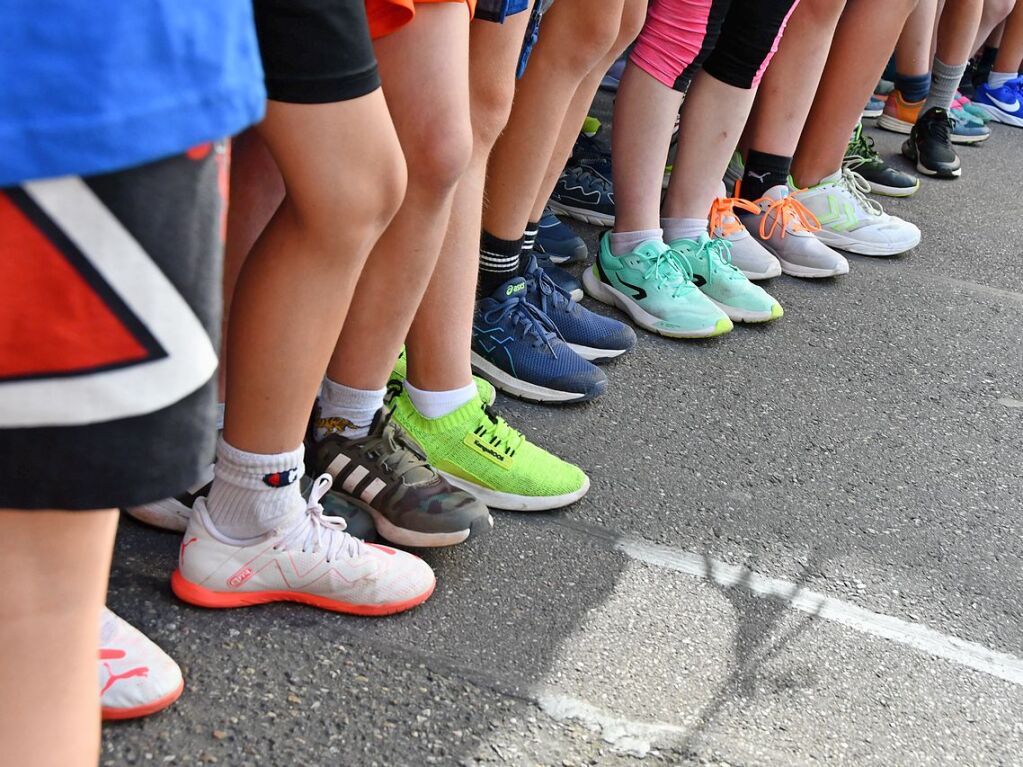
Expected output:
(651, 248)
(778, 192)
(513, 288)
(834, 178)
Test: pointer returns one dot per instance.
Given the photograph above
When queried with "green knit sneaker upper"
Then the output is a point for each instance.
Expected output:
(487, 392)
(478, 450)
(710, 261)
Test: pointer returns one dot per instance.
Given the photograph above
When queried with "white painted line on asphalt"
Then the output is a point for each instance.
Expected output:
(1010, 402)
(915, 635)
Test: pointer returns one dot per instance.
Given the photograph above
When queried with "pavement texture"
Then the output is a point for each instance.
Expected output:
(867, 447)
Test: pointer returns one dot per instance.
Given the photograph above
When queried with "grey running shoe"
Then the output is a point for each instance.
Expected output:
(748, 255)
(386, 474)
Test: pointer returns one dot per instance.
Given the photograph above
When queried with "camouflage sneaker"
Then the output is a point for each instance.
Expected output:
(386, 474)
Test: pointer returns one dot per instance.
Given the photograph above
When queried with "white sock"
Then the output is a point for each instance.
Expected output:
(623, 243)
(252, 493)
(683, 228)
(998, 79)
(437, 404)
(220, 416)
(347, 411)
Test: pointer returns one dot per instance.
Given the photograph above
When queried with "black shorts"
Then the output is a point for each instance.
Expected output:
(109, 328)
(315, 51)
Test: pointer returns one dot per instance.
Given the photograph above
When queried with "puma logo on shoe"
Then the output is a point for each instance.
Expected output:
(112, 679)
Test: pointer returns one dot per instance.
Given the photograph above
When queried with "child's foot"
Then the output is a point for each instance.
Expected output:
(136, 678)
(311, 560)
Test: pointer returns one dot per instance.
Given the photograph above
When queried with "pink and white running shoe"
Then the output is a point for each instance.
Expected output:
(136, 678)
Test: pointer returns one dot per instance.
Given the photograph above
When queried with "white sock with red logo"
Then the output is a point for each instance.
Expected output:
(252, 493)
(346, 411)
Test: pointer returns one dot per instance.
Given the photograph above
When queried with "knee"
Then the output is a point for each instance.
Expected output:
(491, 107)
(817, 15)
(593, 36)
(633, 16)
(998, 9)
(439, 154)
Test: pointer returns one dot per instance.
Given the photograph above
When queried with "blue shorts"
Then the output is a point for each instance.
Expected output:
(499, 10)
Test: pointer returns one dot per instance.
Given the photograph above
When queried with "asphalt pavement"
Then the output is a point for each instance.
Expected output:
(803, 545)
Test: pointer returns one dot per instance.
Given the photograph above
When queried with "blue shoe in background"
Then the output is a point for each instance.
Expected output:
(556, 240)
(613, 78)
(1005, 104)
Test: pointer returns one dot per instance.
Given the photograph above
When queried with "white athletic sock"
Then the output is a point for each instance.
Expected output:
(437, 404)
(252, 493)
(683, 228)
(220, 416)
(623, 243)
(347, 411)
(998, 79)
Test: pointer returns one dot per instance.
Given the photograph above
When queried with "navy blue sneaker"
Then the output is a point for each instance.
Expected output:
(556, 240)
(516, 347)
(583, 192)
(592, 336)
(613, 78)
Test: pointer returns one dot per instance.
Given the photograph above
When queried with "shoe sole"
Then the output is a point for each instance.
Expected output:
(894, 124)
(596, 355)
(165, 515)
(774, 271)
(200, 596)
(137, 712)
(581, 253)
(996, 115)
(525, 390)
(577, 295)
(403, 536)
(581, 214)
(871, 113)
(849, 245)
(612, 297)
(495, 499)
(735, 314)
(894, 191)
(810, 273)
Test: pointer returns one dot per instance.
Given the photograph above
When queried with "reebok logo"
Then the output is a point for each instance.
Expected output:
(281, 478)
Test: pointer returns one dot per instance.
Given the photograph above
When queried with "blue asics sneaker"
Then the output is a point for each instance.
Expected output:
(556, 240)
(563, 279)
(516, 347)
(591, 335)
(1005, 104)
(585, 194)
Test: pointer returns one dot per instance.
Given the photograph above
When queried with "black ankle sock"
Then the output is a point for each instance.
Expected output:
(528, 241)
(499, 262)
(762, 172)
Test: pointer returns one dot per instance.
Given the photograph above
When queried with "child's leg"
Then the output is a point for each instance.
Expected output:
(441, 334)
(424, 68)
(574, 39)
(55, 566)
(1010, 52)
(995, 12)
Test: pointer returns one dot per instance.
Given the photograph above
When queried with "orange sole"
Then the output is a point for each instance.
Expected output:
(117, 714)
(189, 592)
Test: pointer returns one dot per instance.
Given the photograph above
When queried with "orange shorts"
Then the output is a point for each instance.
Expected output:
(387, 16)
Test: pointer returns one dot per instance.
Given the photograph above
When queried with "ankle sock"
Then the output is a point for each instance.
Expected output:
(762, 171)
(623, 243)
(437, 404)
(499, 262)
(529, 236)
(253, 493)
(683, 228)
(913, 87)
(998, 79)
(346, 411)
(944, 83)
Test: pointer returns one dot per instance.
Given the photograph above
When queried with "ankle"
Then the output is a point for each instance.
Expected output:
(345, 410)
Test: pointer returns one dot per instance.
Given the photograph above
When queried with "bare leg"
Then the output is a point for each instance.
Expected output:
(913, 51)
(49, 631)
(633, 14)
(575, 39)
(1010, 52)
(866, 33)
(294, 290)
(960, 21)
(995, 12)
(786, 92)
(441, 334)
(424, 67)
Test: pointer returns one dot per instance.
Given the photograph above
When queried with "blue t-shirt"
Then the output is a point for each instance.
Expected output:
(91, 86)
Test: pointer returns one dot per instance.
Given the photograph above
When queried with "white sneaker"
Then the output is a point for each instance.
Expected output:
(852, 221)
(136, 678)
(748, 255)
(787, 229)
(313, 561)
(173, 513)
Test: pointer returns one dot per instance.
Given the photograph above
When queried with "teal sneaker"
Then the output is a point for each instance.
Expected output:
(713, 273)
(653, 285)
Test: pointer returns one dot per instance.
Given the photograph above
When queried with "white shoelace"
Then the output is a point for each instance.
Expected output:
(857, 187)
(316, 533)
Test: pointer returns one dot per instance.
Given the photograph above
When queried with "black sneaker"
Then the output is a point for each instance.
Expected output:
(930, 146)
(862, 157)
(386, 474)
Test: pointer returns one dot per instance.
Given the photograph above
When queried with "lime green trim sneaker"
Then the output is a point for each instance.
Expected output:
(713, 273)
(653, 285)
(487, 391)
(478, 451)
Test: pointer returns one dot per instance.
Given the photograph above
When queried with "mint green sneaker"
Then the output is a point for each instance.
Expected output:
(653, 285)
(487, 391)
(478, 451)
(713, 273)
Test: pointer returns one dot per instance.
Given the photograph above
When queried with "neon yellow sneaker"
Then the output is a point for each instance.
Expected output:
(487, 392)
(479, 452)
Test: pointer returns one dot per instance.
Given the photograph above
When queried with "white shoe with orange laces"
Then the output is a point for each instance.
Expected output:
(136, 678)
(748, 255)
(312, 561)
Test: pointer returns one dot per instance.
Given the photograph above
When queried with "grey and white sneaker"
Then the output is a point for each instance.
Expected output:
(748, 255)
(851, 221)
(783, 226)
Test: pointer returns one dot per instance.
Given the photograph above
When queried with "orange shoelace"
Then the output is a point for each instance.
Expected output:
(723, 221)
(788, 210)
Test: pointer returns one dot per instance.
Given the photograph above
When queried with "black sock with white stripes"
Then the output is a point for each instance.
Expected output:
(499, 262)
(528, 241)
